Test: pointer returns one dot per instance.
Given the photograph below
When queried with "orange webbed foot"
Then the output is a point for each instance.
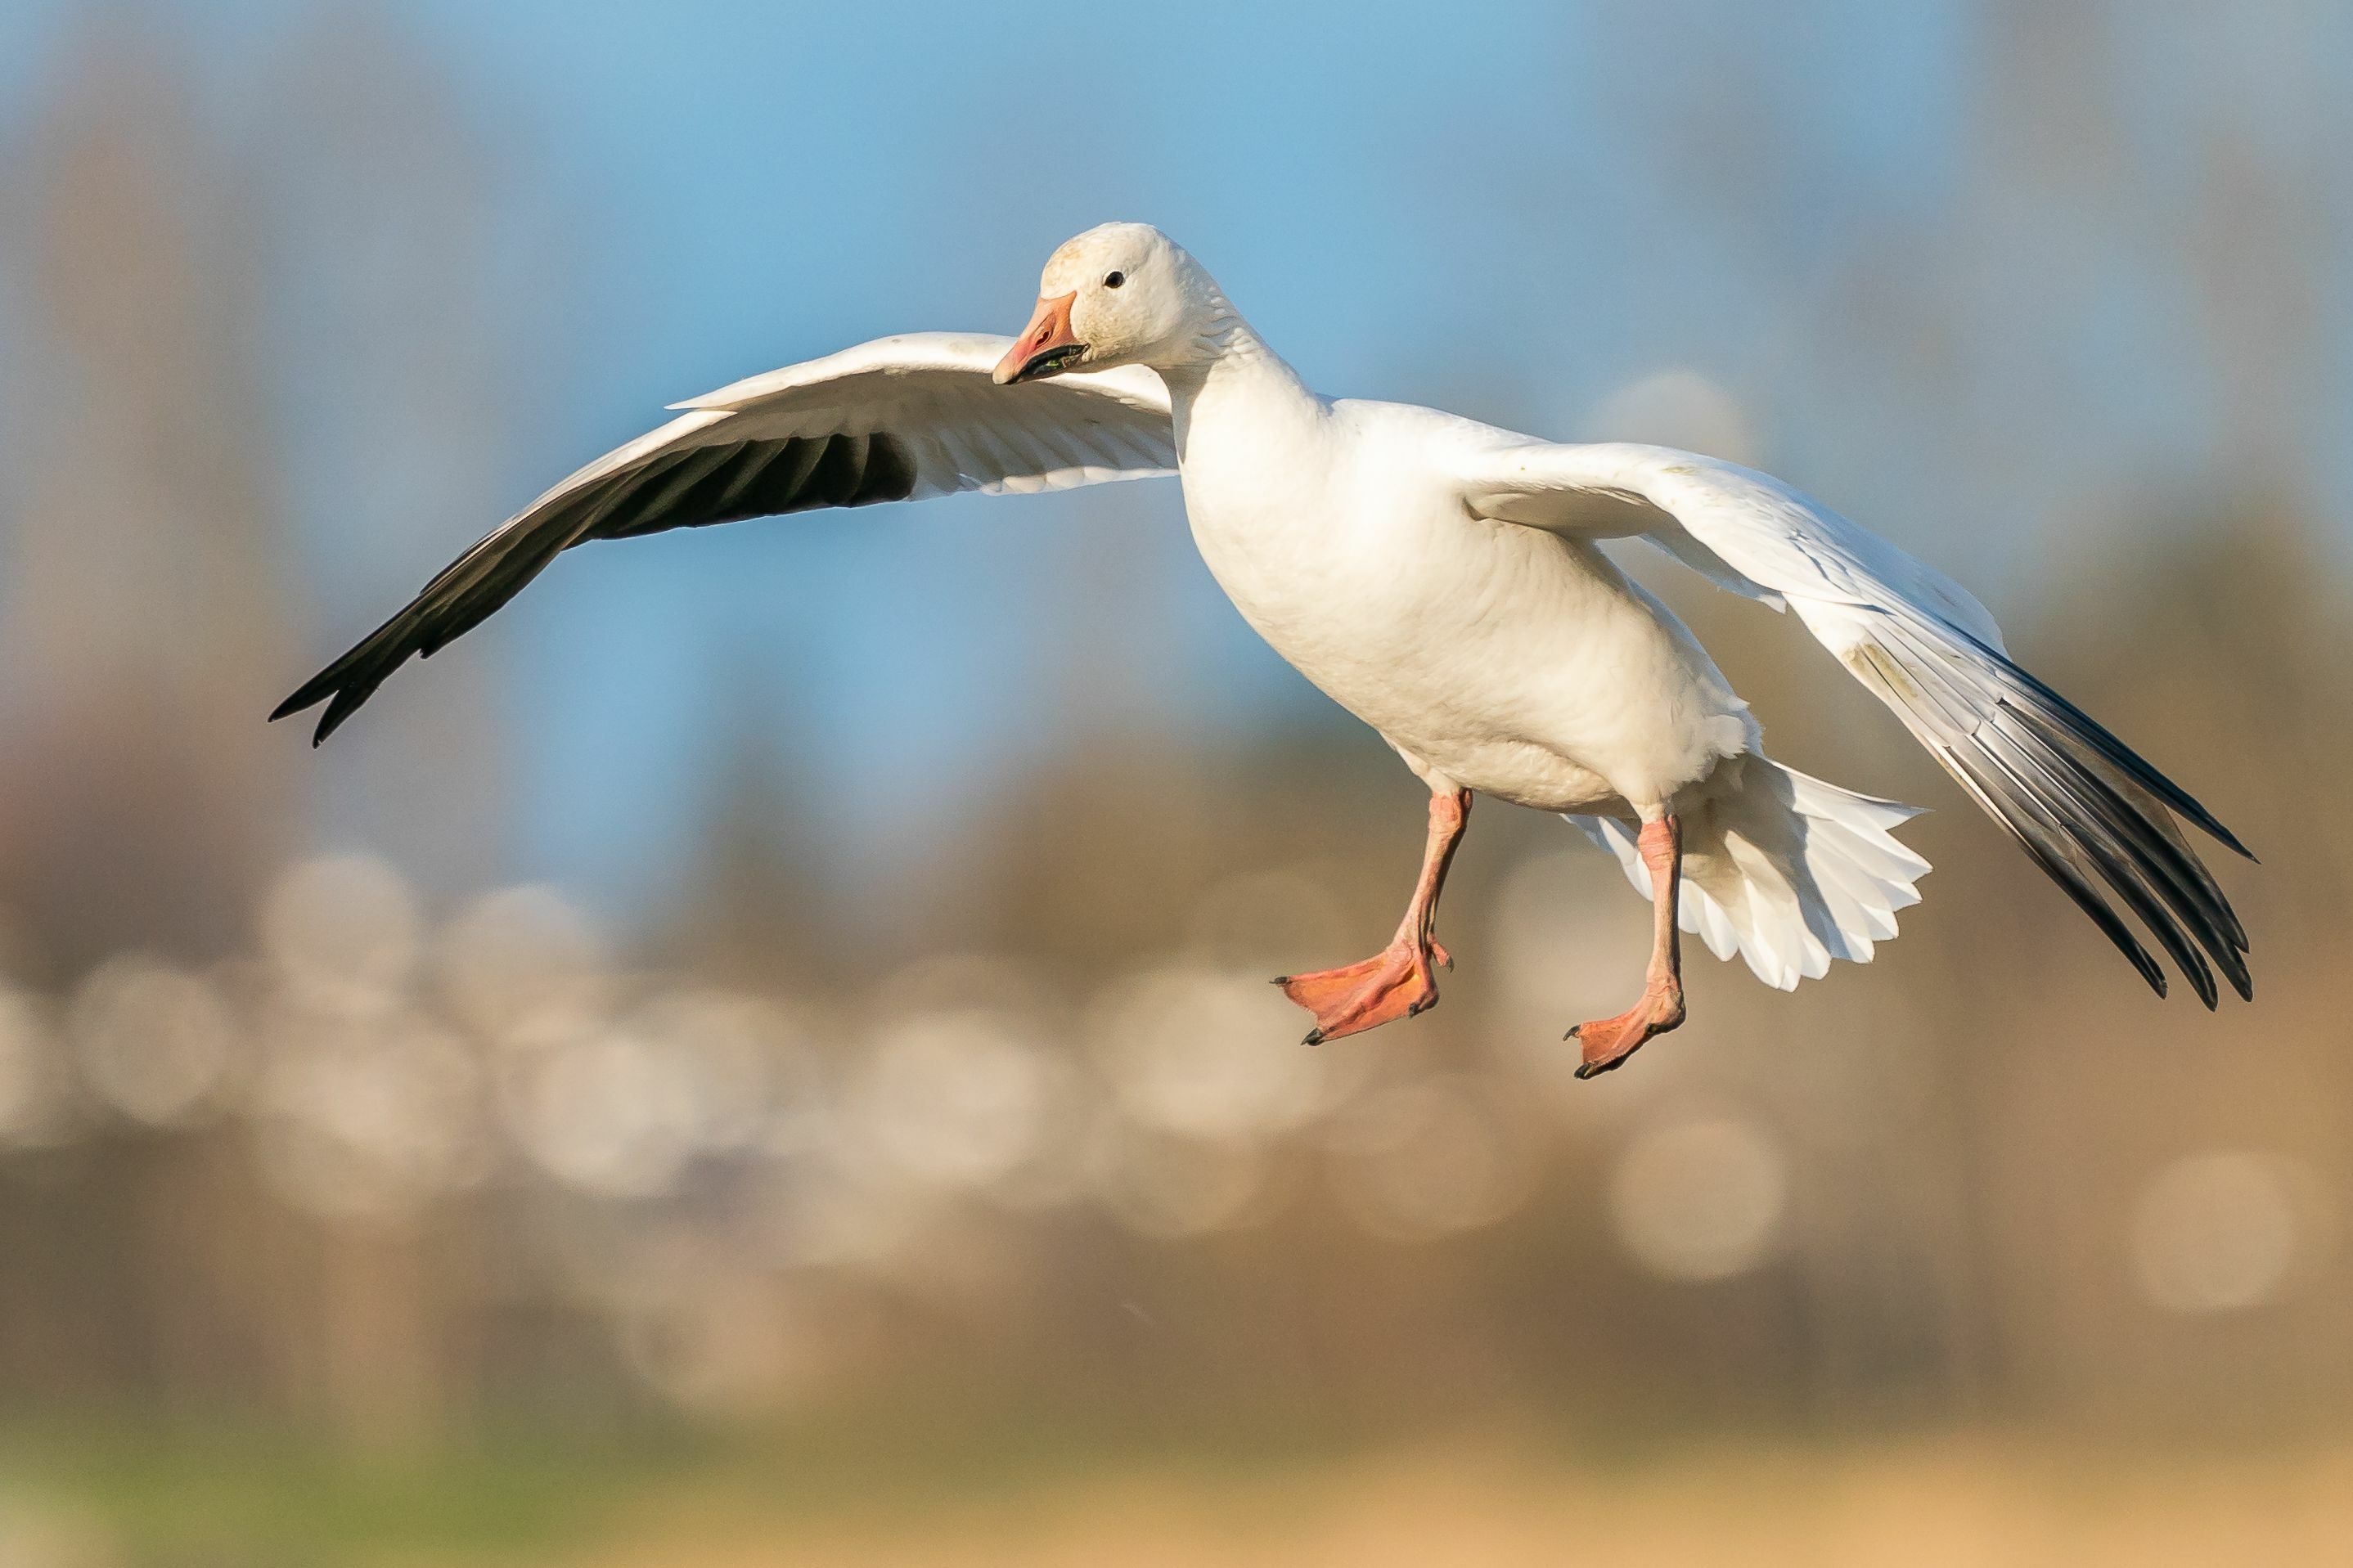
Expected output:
(1395, 983)
(1608, 1042)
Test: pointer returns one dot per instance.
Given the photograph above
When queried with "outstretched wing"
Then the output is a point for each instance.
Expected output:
(900, 418)
(2086, 806)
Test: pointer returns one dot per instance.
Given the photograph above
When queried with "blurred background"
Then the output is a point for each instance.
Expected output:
(763, 1052)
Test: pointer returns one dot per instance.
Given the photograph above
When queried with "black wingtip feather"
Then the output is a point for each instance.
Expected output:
(687, 488)
(2160, 882)
(2076, 798)
(2055, 865)
(2098, 735)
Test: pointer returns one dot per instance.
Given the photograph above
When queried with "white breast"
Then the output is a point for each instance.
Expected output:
(1503, 659)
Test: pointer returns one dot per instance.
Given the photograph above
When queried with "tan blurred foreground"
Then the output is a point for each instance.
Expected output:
(1923, 1504)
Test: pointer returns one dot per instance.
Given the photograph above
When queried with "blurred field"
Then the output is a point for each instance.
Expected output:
(1490, 1497)
(1938, 1506)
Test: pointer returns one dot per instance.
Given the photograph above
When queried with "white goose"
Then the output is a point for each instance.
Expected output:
(1441, 579)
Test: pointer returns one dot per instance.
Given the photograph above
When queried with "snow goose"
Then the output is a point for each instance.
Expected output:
(1442, 580)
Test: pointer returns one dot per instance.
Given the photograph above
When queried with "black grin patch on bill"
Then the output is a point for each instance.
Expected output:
(1052, 360)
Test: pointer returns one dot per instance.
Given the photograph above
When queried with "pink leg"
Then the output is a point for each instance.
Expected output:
(1396, 982)
(1608, 1042)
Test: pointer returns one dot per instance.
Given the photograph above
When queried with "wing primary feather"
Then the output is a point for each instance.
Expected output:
(692, 488)
(856, 469)
(2066, 801)
(1876, 667)
(2065, 716)
(2057, 860)
(2126, 838)
(2168, 868)
(841, 463)
(2047, 805)
(458, 599)
(506, 572)
(783, 467)
(2056, 803)
(891, 471)
(2120, 841)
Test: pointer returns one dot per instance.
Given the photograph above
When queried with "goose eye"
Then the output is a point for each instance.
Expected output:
(1114, 280)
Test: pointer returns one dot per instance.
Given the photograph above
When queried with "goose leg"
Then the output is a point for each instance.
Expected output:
(1401, 980)
(1608, 1042)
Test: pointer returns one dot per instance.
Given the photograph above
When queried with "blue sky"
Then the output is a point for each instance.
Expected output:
(1513, 209)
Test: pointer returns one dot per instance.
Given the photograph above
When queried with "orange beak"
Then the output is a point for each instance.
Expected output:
(1045, 346)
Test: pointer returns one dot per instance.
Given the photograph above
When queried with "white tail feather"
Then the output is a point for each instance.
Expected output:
(1784, 870)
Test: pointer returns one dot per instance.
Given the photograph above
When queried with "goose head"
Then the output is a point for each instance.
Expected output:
(1124, 293)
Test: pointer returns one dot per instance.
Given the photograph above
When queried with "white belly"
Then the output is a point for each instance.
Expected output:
(1497, 658)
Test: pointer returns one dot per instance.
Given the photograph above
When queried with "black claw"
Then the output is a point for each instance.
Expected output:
(1280, 980)
(1595, 1069)
(1574, 1029)
(1315, 1036)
